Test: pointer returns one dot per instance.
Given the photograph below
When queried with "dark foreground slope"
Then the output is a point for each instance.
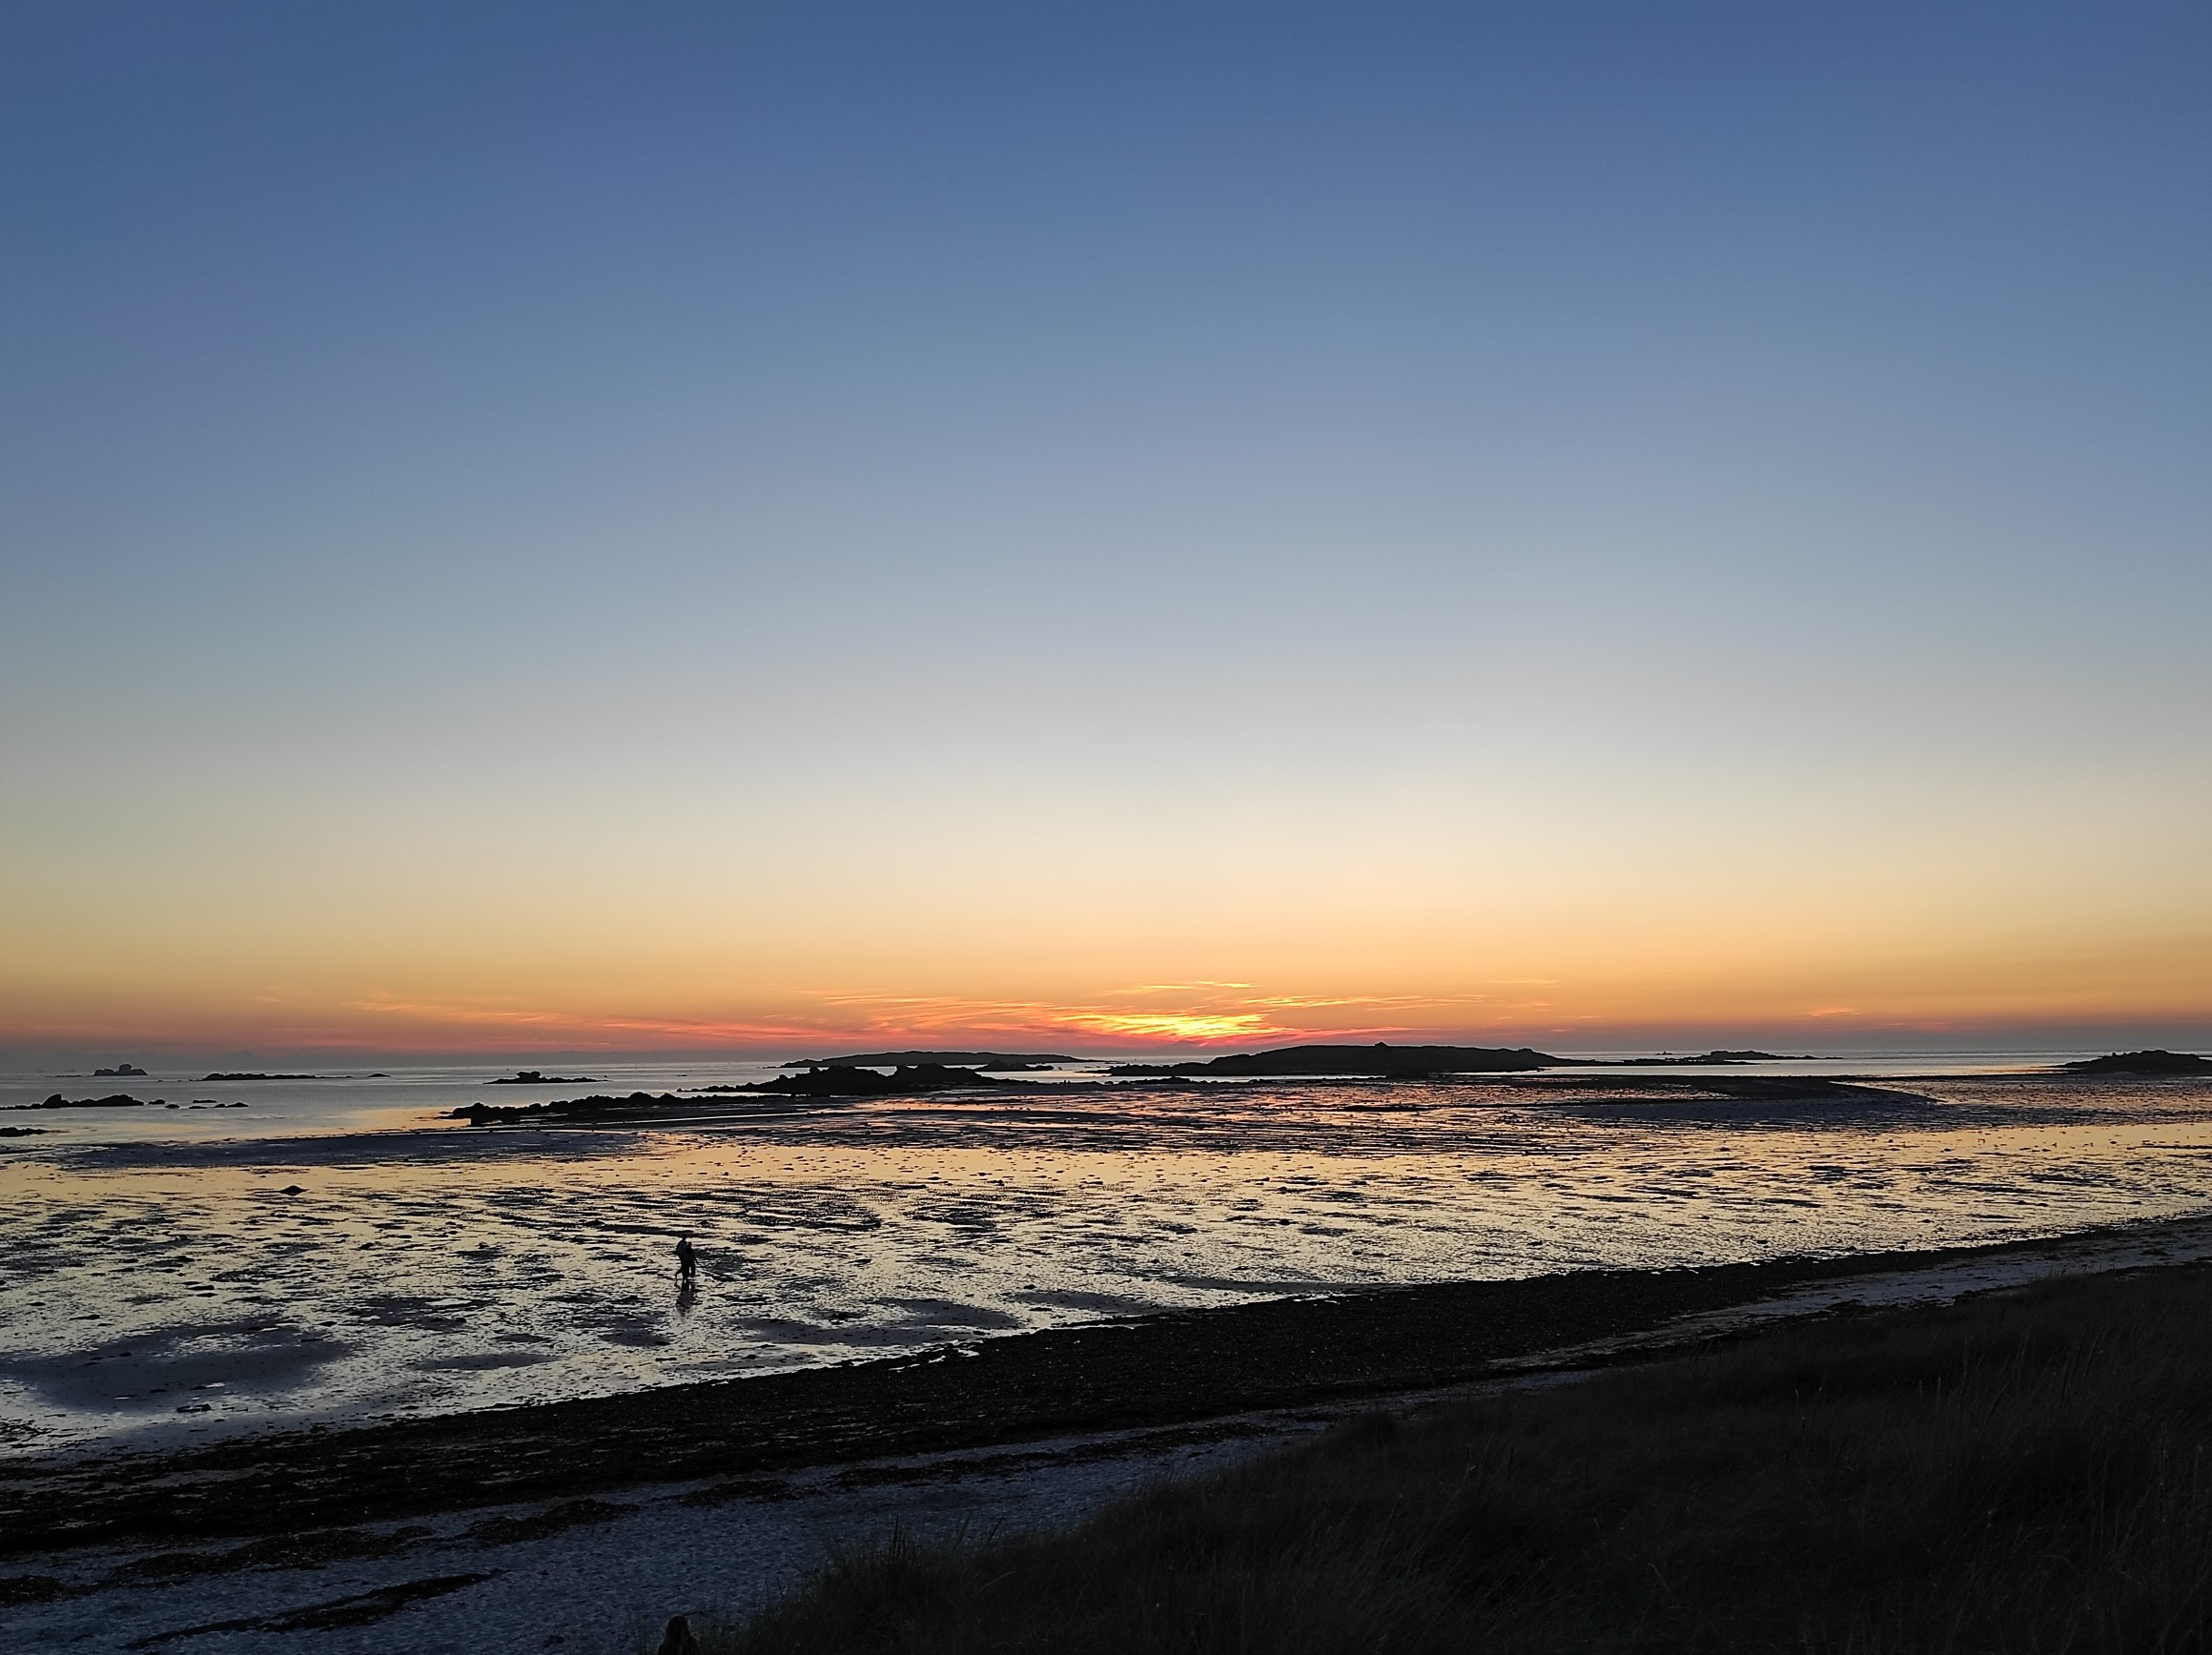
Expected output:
(2028, 1471)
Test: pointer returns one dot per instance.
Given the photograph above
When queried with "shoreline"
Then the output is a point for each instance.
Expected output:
(1168, 1369)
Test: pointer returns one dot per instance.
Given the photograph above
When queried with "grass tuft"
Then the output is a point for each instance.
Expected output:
(2018, 1473)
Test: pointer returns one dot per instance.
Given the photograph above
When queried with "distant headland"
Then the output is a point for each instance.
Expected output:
(850, 1080)
(1378, 1060)
(2155, 1062)
(948, 1059)
(1707, 1058)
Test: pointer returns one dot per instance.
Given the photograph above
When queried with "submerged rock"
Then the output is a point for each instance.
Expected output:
(116, 1100)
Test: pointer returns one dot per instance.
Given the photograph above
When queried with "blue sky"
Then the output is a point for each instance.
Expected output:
(828, 469)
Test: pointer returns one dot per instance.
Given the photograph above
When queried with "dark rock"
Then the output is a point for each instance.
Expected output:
(834, 1082)
(116, 1100)
(563, 1109)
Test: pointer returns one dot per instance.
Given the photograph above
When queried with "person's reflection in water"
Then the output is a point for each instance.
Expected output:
(687, 1296)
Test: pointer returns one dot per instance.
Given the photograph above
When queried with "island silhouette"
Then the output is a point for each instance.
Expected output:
(961, 1059)
(2153, 1062)
(1379, 1060)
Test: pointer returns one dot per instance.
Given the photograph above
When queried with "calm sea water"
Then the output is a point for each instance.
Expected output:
(335, 1250)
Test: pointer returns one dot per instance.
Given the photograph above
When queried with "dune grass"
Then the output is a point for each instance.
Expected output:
(2018, 1473)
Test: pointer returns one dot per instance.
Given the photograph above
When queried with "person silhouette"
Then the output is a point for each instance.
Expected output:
(686, 1262)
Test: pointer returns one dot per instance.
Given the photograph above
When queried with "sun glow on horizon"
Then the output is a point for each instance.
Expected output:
(1211, 555)
(1188, 1015)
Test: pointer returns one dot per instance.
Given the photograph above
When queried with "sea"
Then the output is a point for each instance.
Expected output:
(338, 1250)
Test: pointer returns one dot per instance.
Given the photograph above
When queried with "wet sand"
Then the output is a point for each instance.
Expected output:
(163, 1292)
(1152, 1372)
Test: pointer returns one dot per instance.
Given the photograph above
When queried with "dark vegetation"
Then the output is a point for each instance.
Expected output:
(1393, 1062)
(2024, 1472)
(2141, 1063)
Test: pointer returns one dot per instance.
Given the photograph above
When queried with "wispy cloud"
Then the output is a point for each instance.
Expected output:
(1172, 987)
(1195, 1013)
(1190, 1023)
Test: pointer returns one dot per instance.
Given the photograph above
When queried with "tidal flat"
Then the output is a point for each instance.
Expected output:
(582, 1526)
(335, 1373)
(336, 1254)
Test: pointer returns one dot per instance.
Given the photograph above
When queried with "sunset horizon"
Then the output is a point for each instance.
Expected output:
(1113, 829)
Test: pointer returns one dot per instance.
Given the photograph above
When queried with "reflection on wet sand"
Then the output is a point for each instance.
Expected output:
(169, 1287)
